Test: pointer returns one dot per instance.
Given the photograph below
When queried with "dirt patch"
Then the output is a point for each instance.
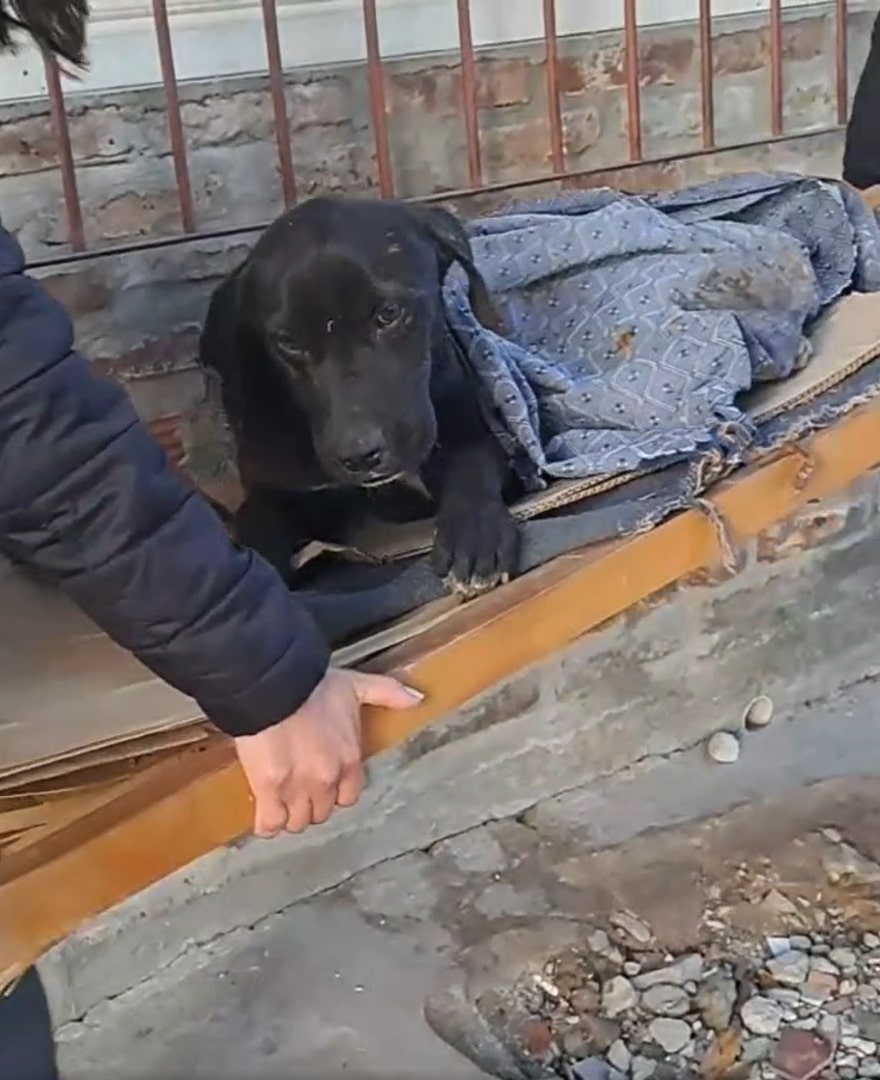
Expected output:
(746, 948)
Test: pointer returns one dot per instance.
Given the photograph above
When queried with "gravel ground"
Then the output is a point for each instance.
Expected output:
(798, 1003)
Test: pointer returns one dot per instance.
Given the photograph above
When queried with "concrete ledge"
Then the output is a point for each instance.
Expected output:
(797, 624)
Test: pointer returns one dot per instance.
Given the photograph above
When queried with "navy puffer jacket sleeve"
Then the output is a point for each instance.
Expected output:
(88, 499)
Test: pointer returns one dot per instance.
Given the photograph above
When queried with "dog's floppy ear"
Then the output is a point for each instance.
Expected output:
(453, 245)
(224, 342)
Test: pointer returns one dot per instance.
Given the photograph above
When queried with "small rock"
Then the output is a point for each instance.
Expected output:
(666, 1000)
(789, 969)
(761, 1016)
(756, 1050)
(871, 941)
(778, 946)
(832, 836)
(584, 1000)
(845, 959)
(758, 713)
(642, 1068)
(822, 963)
(829, 1028)
(715, 1001)
(723, 747)
(600, 1032)
(619, 1056)
(865, 1047)
(575, 1044)
(844, 864)
(633, 927)
(631, 968)
(870, 1069)
(594, 1068)
(786, 997)
(687, 968)
(599, 942)
(670, 1034)
(801, 942)
(848, 987)
(618, 996)
(820, 986)
(536, 1038)
(778, 904)
(801, 1055)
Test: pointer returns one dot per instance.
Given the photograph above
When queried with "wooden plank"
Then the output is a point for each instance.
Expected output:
(180, 810)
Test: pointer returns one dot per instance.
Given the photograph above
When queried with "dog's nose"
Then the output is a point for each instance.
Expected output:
(363, 461)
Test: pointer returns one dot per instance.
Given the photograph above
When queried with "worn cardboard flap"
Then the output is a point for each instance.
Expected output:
(67, 688)
(74, 702)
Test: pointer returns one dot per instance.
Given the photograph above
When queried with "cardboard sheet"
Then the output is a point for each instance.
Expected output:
(66, 688)
(73, 702)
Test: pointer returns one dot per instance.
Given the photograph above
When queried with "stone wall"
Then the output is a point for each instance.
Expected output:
(137, 315)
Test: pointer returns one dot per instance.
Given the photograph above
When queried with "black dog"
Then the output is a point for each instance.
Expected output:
(340, 379)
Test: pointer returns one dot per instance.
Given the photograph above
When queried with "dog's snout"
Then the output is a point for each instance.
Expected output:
(363, 458)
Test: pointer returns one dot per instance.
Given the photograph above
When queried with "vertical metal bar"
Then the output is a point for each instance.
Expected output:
(633, 96)
(707, 79)
(841, 53)
(279, 102)
(776, 116)
(469, 92)
(175, 124)
(554, 114)
(378, 108)
(72, 206)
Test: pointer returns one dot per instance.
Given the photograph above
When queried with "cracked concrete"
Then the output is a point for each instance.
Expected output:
(656, 681)
(338, 982)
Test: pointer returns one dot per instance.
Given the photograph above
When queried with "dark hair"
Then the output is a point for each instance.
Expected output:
(57, 26)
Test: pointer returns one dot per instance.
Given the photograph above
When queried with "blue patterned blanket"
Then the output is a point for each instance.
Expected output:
(633, 323)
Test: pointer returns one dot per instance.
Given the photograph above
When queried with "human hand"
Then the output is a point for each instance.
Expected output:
(305, 766)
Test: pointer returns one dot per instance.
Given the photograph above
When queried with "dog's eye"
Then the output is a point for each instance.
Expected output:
(387, 315)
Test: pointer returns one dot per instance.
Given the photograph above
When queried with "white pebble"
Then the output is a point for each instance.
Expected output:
(669, 1034)
(632, 926)
(619, 1056)
(844, 958)
(758, 713)
(599, 941)
(723, 747)
(643, 1068)
(688, 968)
(618, 996)
(666, 1000)
(761, 1016)
(776, 946)
(789, 969)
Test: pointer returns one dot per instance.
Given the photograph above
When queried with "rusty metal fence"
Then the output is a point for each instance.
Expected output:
(379, 113)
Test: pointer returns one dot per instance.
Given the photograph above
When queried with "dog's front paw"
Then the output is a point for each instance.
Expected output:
(476, 547)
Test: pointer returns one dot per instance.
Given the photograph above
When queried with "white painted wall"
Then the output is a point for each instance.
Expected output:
(216, 38)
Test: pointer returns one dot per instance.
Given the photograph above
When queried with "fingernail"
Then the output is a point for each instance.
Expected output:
(416, 695)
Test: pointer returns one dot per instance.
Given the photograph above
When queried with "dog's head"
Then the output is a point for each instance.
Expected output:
(344, 296)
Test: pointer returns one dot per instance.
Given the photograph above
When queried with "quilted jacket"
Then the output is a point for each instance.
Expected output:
(89, 502)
